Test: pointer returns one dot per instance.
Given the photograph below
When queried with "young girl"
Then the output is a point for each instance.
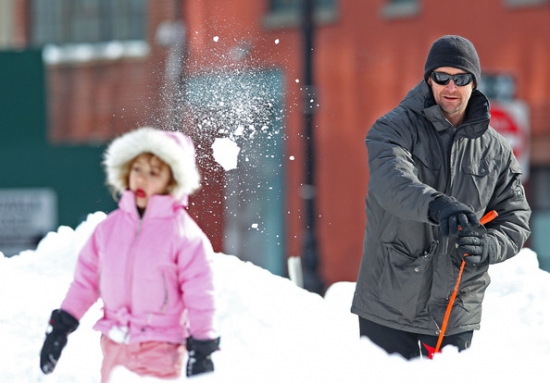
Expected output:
(149, 263)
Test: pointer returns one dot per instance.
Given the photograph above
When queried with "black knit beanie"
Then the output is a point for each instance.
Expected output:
(453, 51)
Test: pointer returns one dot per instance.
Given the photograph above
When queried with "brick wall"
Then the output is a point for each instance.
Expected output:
(366, 60)
(364, 65)
(95, 100)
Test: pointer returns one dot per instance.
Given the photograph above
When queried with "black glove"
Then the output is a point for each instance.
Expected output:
(199, 355)
(474, 244)
(60, 326)
(449, 213)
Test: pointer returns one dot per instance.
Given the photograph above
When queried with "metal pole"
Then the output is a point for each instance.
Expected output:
(311, 279)
(176, 65)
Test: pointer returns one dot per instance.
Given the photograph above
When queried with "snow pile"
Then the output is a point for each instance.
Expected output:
(273, 331)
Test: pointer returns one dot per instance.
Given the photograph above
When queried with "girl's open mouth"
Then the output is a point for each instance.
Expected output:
(140, 193)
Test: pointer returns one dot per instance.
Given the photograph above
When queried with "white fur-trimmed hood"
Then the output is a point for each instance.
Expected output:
(174, 148)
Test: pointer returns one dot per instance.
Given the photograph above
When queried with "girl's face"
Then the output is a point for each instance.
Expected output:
(148, 176)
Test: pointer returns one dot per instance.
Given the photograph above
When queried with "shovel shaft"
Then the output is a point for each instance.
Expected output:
(486, 219)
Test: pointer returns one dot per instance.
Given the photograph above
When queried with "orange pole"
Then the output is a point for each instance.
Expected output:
(486, 218)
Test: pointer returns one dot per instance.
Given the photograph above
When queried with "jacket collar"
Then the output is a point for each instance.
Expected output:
(158, 205)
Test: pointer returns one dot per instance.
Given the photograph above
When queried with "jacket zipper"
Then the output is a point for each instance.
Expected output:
(448, 164)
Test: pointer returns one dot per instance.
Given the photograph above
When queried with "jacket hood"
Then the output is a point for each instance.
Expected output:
(420, 101)
(174, 148)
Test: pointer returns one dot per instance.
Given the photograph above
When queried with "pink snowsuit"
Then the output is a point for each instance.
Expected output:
(153, 274)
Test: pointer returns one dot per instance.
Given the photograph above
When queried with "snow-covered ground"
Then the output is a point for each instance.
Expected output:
(273, 331)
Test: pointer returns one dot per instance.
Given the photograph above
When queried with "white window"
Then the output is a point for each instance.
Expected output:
(86, 21)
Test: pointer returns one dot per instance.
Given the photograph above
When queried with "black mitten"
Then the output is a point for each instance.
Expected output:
(449, 213)
(60, 326)
(474, 245)
(200, 351)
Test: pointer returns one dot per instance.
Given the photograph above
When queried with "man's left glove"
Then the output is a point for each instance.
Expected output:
(60, 326)
(200, 351)
(474, 245)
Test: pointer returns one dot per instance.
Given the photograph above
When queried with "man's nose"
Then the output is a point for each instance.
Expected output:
(451, 85)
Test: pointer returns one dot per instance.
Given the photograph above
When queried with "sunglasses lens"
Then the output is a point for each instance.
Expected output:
(462, 79)
(441, 78)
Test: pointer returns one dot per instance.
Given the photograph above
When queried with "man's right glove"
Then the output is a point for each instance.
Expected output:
(475, 245)
(449, 213)
(60, 326)
(200, 351)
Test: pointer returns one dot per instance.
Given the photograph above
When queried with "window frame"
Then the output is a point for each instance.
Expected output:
(107, 45)
(62, 22)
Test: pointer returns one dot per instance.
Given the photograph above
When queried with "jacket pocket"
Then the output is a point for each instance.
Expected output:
(478, 183)
(149, 292)
(165, 296)
(404, 280)
(171, 296)
(517, 187)
(428, 168)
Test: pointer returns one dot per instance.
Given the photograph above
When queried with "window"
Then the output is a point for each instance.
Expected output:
(524, 3)
(498, 86)
(294, 5)
(286, 13)
(87, 21)
(539, 197)
(400, 8)
(539, 200)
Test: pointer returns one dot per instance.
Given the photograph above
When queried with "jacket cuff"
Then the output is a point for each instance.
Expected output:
(493, 250)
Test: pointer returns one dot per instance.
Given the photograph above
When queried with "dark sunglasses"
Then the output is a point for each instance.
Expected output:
(461, 79)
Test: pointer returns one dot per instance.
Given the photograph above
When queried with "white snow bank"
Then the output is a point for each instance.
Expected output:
(273, 331)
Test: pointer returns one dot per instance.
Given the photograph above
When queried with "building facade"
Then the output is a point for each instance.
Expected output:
(237, 69)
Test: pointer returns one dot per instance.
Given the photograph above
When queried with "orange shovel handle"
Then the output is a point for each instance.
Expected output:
(486, 219)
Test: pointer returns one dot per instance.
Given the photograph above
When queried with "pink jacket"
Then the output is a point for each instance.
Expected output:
(153, 274)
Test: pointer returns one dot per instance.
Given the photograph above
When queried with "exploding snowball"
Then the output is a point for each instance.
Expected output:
(216, 39)
(239, 131)
(226, 153)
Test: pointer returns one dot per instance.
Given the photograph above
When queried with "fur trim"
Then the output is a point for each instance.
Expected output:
(174, 148)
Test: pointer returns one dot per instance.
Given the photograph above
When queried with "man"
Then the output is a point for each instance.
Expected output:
(436, 167)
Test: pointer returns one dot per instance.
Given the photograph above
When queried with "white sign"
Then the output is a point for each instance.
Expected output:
(26, 215)
(511, 119)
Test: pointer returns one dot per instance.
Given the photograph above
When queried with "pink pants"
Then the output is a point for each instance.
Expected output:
(158, 359)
